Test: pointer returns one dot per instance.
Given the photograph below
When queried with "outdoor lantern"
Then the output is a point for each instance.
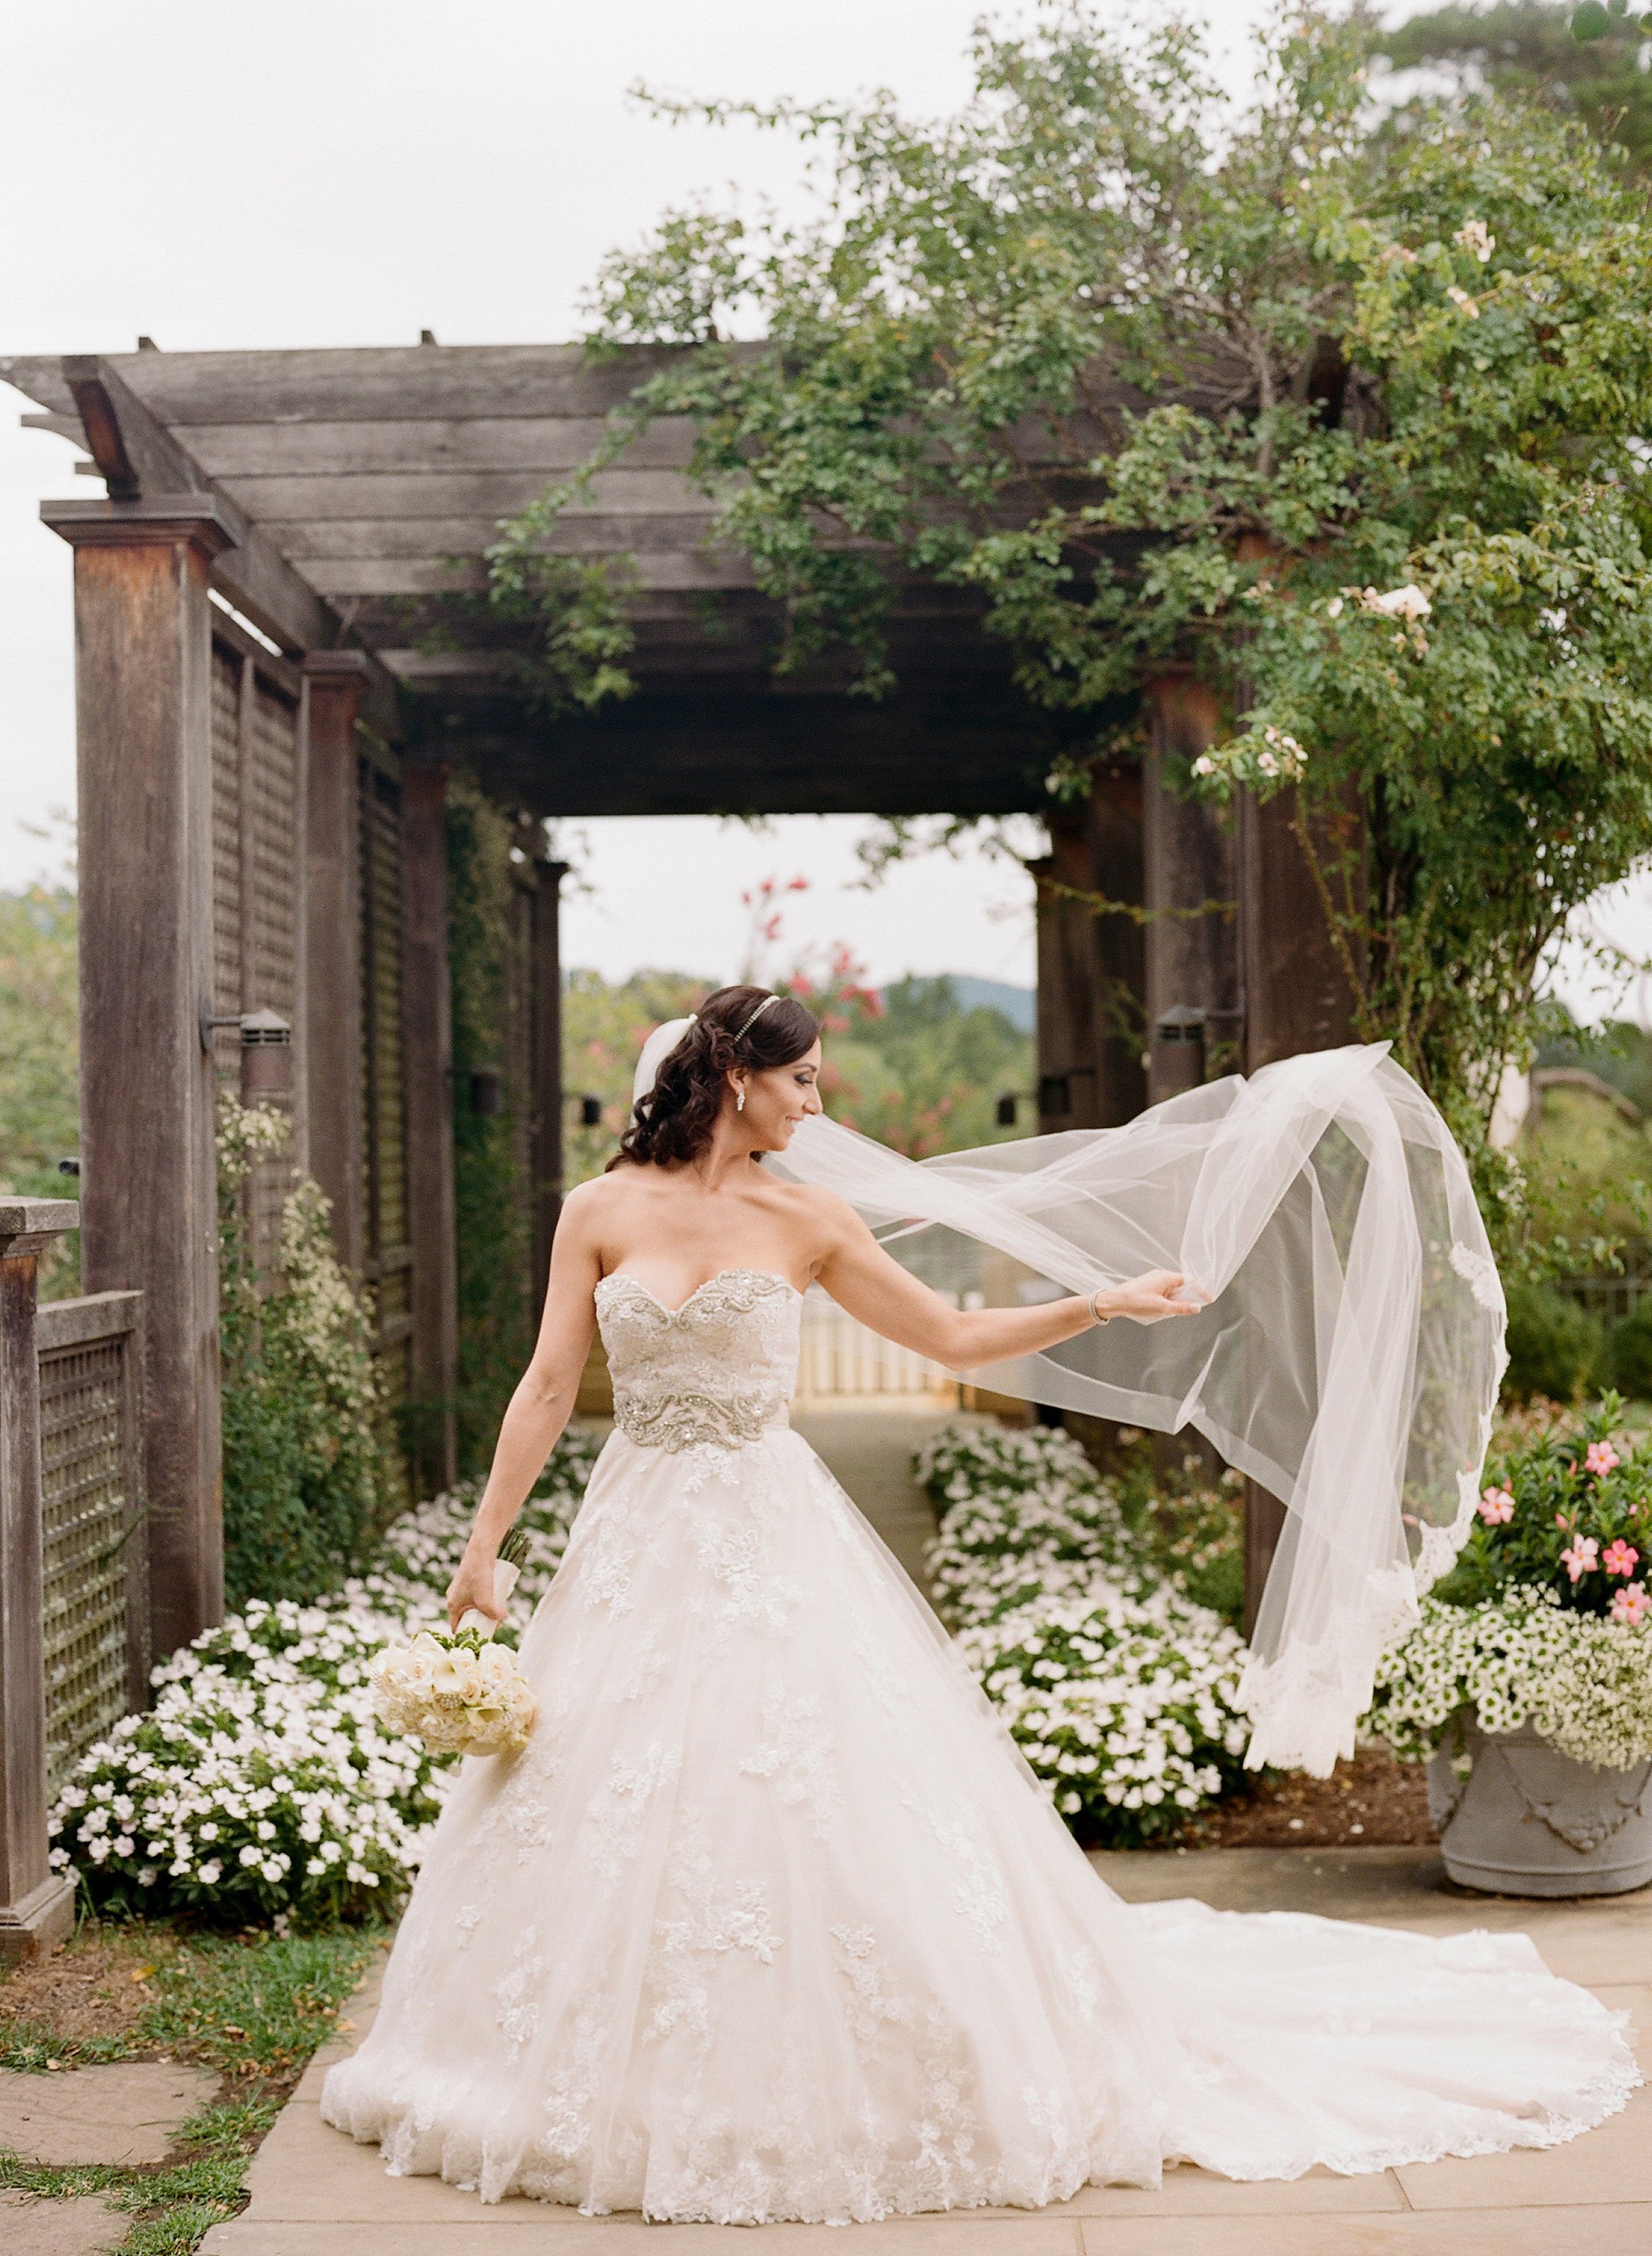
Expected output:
(1006, 1109)
(1178, 1049)
(487, 1090)
(590, 1112)
(266, 1055)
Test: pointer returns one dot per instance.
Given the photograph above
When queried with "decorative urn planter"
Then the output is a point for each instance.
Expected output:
(1528, 1821)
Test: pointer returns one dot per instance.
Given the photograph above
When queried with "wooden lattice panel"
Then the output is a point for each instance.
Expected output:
(88, 1450)
(227, 921)
(383, 1086)
(270, 913)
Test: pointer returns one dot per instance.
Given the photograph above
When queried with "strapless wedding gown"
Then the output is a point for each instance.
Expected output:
(771, 1919)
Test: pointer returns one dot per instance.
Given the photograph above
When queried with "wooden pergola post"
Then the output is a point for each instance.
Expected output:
(149, 1174)
(37, 1905)
(335, 681)
(1192, 960)
(428, 1071)
(1296, 998)
(546, 1145)
(1090, 965)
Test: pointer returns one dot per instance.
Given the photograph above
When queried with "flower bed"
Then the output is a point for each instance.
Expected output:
(1545, 1618)
(259, 1783)
(1119, 1689)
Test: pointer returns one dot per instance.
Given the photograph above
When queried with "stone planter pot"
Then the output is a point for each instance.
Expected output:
(1528, 1821)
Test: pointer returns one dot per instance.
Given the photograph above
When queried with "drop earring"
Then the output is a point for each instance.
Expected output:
(740, 1099)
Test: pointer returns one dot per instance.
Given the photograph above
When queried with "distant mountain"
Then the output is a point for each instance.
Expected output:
(1017, 1004)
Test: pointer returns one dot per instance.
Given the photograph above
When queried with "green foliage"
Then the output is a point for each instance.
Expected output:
(1618, 1052)
(1587, 1185)
(1556, 1349)
(311, 1477)
(923, 1075)
(1346, 412)
(1570, 1512)
(1528, 47)
(604, 1026)
(1629, 1353)
(39, 1065)
(491, 1194)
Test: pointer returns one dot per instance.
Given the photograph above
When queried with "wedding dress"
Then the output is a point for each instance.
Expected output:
(770, 1920)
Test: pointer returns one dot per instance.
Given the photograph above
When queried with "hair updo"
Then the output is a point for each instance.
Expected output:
(673, 1124)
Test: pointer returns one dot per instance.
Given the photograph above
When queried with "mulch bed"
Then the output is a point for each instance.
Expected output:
(96, 1985)
(1370, 1803)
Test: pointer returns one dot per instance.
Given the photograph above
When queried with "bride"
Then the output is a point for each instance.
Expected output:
(770, 1920)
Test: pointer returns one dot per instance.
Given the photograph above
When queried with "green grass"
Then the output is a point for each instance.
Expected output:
(254, 2006)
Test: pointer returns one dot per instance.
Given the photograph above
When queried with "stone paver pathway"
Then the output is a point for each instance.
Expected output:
(128, 2112)
(80, 2227)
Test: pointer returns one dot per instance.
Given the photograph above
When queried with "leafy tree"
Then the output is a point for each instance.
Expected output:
(40, 1063)
(1528, 47)
(1346, 415)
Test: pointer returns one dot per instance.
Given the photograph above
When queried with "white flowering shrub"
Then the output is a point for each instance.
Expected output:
(1024, 1514)
(1119, 1690)
(260, 1782)
(1584, 1680)
(1122, 1702)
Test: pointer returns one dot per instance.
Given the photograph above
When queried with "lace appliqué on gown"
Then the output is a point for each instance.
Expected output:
(770, 1920)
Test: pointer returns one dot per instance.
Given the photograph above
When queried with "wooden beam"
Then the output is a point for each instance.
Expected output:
(258, 450)
(334, 684)
(257, 579)
(427, 1069)
(318, 496)
(149, 1181)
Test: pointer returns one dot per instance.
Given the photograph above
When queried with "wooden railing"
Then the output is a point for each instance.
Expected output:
(74, 1582)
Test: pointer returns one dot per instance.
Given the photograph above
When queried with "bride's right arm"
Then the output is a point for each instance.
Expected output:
(542, 1404)
(872, 1285)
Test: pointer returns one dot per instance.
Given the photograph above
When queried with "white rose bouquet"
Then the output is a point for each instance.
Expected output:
(459, 1692)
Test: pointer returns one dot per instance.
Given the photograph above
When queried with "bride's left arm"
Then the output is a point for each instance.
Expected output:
(871, 1285)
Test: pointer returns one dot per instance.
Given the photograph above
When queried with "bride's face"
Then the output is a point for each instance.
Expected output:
(779, 1098)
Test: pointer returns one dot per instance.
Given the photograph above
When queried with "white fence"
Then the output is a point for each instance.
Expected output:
(840, 1358)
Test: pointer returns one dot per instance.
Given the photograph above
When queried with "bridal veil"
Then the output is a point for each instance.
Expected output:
(1348, 1361)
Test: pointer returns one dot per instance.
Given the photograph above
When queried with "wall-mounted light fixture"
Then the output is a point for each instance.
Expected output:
(266, 1050)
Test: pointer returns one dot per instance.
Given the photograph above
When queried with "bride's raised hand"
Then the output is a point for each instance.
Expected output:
(1157, 1292)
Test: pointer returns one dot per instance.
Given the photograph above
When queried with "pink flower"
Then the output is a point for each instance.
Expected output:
(1581, 1556)
(1620, 1558)
(1631, 1604)
(1601, 1457)
(1497, 1505)
(1561, 1520)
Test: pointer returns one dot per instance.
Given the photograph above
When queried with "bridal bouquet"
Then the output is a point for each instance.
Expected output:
(460, 1693)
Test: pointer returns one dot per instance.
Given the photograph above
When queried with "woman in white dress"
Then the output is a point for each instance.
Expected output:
(770, 1920)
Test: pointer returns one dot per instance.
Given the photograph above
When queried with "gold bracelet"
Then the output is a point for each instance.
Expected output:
(1096, 1315)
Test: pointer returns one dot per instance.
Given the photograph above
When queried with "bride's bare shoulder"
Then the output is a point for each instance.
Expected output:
(822, 1210)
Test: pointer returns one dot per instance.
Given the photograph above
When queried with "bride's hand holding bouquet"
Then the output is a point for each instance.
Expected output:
(455, 1689)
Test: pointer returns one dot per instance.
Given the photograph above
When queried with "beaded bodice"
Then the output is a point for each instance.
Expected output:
(720, 1369)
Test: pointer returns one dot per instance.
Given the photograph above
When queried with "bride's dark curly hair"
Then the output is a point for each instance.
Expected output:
(674, 1123)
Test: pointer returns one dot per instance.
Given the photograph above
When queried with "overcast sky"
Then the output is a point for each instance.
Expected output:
(353, 172)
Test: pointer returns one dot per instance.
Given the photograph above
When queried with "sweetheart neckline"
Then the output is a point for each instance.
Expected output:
(616, 1276)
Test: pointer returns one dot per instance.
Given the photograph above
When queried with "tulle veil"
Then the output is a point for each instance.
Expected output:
(1348, 1361)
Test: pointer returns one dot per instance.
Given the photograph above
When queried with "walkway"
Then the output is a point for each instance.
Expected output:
(314, 2193)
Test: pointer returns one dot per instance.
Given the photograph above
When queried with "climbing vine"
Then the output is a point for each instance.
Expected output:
(311, 1472)
(1342, 410)
(491, 1191)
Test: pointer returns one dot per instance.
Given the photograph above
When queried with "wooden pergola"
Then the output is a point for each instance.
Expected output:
(267, 717)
